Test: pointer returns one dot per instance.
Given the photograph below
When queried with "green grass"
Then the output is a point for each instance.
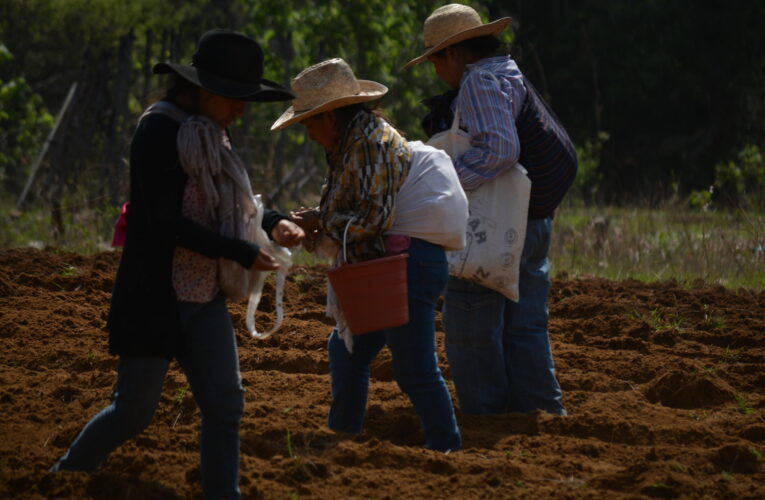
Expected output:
(180, 396)
(730, 355)
(658, 245)
(679, 467)
(743, 405)
(69, 270)
(713, 321)
(727, 248)
(300, 257)
(290, 448)
(657, 319)
(88, 227)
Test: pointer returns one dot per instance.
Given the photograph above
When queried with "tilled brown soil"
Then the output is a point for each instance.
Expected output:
(665, 387)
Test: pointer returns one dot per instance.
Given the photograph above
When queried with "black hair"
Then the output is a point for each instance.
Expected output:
(479, 48)
(346, 113)
(177, 86)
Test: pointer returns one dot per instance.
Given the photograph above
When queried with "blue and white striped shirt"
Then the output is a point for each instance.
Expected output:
(488, 109)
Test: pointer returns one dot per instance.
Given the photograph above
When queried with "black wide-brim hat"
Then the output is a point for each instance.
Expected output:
(229, 64)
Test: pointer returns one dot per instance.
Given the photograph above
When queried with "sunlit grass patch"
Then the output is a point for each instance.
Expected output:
(743, 405)
(658, 320)
(83, 227)
(657, 245)
(713, 321)
(300, 257)
(726, 248)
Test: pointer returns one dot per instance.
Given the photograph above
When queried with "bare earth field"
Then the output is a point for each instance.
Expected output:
(665, 387)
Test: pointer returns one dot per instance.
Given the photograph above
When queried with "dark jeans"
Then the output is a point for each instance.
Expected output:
(415, 364)
(499, 350)
(211, 365)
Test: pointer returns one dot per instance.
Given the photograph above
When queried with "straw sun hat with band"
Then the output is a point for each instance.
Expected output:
(452, 24)
(324, 86)
(229, 64)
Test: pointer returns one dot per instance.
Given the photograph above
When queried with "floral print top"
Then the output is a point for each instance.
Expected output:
(195, 277)
(365, 174)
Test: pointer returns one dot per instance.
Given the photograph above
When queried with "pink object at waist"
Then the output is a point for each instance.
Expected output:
(396, 244)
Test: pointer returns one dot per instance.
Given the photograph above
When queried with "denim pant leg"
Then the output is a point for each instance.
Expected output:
(139, 387)
(473, 321)
(413, 348)
(211, 364)
(530, 367)
(349, 373)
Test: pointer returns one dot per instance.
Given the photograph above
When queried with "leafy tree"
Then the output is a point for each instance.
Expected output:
(23, 123)
(676, 86)
(655, 94)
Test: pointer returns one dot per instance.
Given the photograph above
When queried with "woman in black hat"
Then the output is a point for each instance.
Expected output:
(167, 301)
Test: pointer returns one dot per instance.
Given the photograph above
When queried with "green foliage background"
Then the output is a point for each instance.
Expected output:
(664, 99)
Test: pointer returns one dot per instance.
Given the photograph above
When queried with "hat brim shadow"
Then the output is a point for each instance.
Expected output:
(265, 91)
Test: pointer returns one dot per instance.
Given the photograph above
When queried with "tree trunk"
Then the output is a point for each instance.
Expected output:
(112, 162)
(147, 66)
(596, 104)
(542, 85)
(46, 144)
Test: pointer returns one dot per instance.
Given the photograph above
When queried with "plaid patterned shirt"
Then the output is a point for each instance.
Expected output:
(365, 174)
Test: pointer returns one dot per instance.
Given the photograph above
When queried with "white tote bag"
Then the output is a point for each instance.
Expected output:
(496, 226)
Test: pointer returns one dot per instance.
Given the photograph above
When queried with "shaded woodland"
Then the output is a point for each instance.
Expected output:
(661, 98)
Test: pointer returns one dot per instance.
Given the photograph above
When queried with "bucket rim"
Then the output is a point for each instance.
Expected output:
(371, 262)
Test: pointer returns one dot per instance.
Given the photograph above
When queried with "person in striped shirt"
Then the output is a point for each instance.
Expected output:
(499, 351)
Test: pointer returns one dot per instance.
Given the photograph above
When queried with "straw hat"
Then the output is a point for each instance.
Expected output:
(452, 24)
(327, 85)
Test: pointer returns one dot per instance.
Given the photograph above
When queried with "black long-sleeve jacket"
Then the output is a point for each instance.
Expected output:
(143, 319)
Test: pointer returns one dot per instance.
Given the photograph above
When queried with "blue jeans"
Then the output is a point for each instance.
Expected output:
(498, 350)
(211, 365)
(413, 349)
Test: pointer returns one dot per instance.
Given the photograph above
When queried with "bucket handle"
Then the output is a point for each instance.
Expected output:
(345, 237)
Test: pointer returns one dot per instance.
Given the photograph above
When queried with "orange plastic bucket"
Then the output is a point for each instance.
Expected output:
(373, 293)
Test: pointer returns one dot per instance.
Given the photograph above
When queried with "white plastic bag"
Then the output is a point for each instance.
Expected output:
(496, 226)
(284, 257)
(431, 205)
